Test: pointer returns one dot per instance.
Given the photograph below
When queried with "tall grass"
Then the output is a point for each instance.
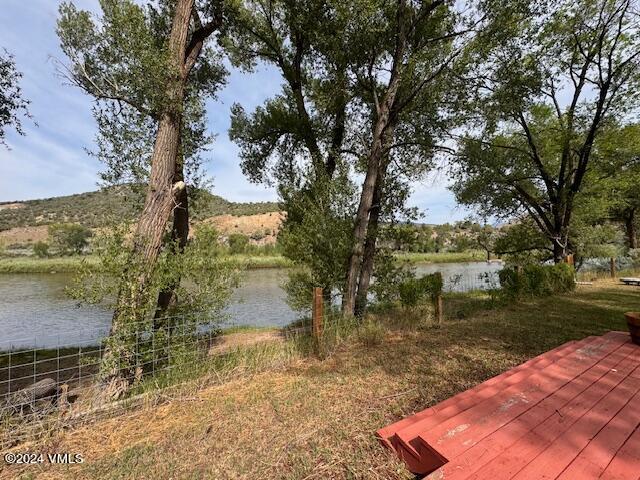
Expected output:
(442, 257)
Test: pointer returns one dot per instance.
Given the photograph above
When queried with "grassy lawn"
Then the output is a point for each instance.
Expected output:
(314, 417)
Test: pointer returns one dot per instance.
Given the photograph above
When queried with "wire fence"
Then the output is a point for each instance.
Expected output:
(62, 376)
(68, 380)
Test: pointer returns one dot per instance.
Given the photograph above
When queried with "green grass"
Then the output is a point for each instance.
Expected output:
(278, 412)
(443, 257)
(76, 263)
(30, 264)
(47, 265)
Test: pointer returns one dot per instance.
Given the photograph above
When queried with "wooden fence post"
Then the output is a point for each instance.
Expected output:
(613, 267)
(317, 313)
(437, 304)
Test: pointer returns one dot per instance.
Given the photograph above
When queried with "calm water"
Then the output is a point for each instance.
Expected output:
(35, 312)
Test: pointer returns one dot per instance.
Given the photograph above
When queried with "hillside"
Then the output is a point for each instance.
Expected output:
(102, 207)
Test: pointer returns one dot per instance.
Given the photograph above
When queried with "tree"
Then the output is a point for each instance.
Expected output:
(544, 96)
(41, 249)
(312, 137)
(484, 237)
(618, 176)
(13, 105)
(298, 138)
(67, 238)
(146, 59)
(409, 53)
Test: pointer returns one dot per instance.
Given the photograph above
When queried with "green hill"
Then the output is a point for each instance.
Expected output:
(103, 207)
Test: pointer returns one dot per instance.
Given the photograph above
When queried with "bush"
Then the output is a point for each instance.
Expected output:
(41, 249)
(238, 243)
(414, 290)
(537, 280)
(69, 238)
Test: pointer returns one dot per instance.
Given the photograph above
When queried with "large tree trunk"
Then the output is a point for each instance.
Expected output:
(368, 260)
(384, 112)
(630, 227)
(366, 198)
(119, 361)
(167, 298)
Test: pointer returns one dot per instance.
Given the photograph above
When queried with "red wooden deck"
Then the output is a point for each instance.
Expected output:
(571, 413)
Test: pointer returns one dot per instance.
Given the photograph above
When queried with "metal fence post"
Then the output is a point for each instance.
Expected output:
(317, 312)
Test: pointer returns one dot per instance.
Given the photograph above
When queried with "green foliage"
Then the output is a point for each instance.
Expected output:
(388, 274)
(202, 284)
(238, 243)
(69, 238)
(537, 280)
(316, 236)
(41, 249)
(414, 291)
(13, 106)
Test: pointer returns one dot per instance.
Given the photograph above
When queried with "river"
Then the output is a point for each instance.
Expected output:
(35, 311)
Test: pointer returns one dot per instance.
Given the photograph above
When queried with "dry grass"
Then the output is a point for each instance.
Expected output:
(316, 418)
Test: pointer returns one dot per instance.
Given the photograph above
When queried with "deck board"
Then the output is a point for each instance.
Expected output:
(554, 411)
(571, 413)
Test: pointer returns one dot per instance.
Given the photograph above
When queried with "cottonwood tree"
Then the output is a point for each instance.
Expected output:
(13, 105)
(297, 138)
(334, 58)
(407, 51)
(146, 58)
(545, 95)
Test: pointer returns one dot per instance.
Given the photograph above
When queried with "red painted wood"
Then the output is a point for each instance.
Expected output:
(557, 456)
(580, 390)
(457, 434)
(535, 421)
(462, 402)
(600, 451)
(516, 457)
(537, 362)
(626, 464)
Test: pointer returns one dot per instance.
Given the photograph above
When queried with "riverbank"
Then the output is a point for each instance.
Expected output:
(73, 264)
(443, 257)
(281, 414)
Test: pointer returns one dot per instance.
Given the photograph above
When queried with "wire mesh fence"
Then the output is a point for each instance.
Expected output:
(68, 379)
(62, 375)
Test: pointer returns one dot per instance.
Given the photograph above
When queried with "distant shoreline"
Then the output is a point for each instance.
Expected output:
(75, 264)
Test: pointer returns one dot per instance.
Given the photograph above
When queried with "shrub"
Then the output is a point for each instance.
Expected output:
(414, 290)
(238, 243)
(537, 280)
(69, 238)
(41, 249)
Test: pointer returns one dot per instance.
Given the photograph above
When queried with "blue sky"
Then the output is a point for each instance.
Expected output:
(51, 159)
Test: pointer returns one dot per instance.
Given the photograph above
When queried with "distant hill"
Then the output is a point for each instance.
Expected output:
(102, 207)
